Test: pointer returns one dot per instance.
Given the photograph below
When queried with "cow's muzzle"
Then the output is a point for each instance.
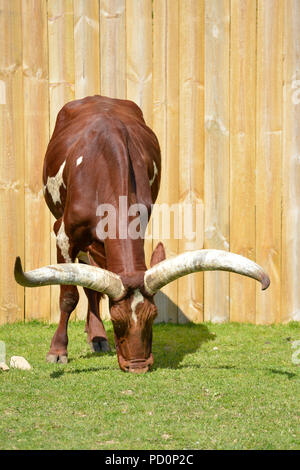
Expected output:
(138, 366)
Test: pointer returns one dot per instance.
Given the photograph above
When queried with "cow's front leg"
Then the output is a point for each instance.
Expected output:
(68, 300)
(96, 334)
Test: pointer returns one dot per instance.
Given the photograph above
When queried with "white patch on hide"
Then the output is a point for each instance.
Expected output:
(63, 243)
(54, 183)
(79, 160)
(137, 299)
(154, 174)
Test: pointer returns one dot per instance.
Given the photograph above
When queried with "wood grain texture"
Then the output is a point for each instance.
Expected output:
(86, 48)
(268, 155)
(217, 154)
(242, 153)
(191, 150)
(290, 271)
(113, 48)
(12, 159)
(36, 126)
(166, 127)
(139, 55)
(61, 87)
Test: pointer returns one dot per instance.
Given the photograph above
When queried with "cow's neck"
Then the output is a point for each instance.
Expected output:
(125, 256)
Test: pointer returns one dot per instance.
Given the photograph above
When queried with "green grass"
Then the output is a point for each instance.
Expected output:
(242, 395)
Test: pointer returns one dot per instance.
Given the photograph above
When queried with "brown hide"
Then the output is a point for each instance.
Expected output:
(118, 151)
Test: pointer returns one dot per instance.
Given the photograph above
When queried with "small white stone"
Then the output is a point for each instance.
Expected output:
(3, 366)
(19, 362)
(215, 348)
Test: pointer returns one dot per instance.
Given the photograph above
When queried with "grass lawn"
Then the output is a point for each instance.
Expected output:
(228, 386)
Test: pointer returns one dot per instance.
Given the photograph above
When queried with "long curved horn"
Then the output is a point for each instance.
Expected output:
(202, 260)
(74, 274)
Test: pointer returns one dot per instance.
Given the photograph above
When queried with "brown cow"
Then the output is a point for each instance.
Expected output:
(101, 149)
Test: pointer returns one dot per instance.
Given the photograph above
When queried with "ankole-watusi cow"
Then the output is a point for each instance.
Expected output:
(101, 149)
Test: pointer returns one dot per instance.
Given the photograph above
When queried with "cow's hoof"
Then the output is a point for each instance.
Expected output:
(100, 345)
(60, 358)
(63, 359)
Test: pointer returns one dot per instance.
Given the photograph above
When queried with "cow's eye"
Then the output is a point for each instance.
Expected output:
(120, 327)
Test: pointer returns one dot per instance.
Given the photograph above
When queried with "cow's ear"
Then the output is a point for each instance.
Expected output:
(158, 254)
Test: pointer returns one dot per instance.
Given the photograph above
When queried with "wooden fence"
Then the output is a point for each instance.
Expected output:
(218, 81)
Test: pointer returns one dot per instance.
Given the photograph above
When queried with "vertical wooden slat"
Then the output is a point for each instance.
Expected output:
(61, 86)
(87, 76)
(36, 125)
(61, 55)
(113, 48)
(166, 127)
(12, 159)
(139, 55)
(242, 152)
(139, 67)
(217, 92)
(268, 155)
(191, 145)
(86, 47)
(290, 295)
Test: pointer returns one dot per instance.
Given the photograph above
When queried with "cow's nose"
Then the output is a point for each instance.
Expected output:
(138, 366)
(138, 370)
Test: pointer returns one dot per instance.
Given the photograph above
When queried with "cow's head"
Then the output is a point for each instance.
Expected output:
(132, 306)
(133, 317)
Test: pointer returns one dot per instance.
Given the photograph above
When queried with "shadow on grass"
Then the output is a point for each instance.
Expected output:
(59, 373)
(172, 342)
(288, 375)
(90, 354)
